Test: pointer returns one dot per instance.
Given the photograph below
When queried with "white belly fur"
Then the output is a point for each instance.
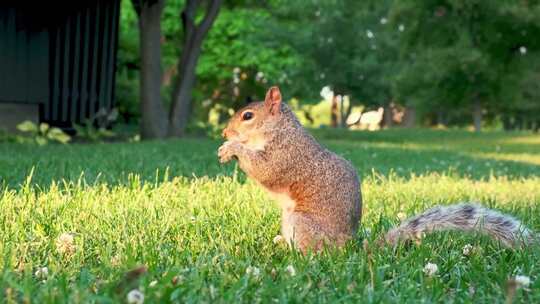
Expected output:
(287, 207)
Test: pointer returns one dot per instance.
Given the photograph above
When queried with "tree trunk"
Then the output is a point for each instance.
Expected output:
(334, 112)
(181, 98)
(344, 112)
(183, 86)
(441, 117)
(507, 125)
(477, 115)
(520, 121)
(409, 119)
(529, 124)
(153, 115)
(513, 121)
(387, 115)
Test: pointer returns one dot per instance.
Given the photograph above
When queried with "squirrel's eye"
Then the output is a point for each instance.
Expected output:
(247, 115)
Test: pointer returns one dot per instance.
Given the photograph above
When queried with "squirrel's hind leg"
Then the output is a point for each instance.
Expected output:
(307, 234)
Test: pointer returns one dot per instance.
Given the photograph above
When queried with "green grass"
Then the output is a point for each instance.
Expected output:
(170, 206)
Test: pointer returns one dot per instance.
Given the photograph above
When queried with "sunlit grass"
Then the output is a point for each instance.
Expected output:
(532, 159)
(198, 226)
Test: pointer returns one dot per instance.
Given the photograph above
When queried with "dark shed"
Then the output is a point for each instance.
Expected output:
(58, 60)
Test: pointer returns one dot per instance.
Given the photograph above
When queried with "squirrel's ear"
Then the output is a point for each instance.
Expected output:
(273, 100)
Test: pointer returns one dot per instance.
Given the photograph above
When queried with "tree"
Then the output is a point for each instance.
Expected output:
(239, 62)
(155, 123)
(346, 44)
(464, 53)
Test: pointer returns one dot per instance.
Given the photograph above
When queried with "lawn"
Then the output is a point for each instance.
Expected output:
(90, 213)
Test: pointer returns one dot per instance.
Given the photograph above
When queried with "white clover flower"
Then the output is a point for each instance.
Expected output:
(384, 20)
(65, 244)
(430, 269)
(153, 283)
(522, 281)
(236, 70)
(467, 250)
(278, 239)
(290, 270)
(259, 75)
(401, 27)
(42, 273)
(369, 34)
(252, 270)
(523, 50)
(116, 260)
(135, 297)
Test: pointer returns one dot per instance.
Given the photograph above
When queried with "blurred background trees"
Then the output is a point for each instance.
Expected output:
(469, 55)
(447, 63)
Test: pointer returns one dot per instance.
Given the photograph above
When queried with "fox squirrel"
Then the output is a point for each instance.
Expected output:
(319, 192)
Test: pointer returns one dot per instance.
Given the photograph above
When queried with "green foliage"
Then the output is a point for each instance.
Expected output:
(90, 133)
(231, 45)
(458, 52)
(436, 56)
(127, 95)
(41, 134)
(348, 45)
(5, 136)
(198, 235)
(98, 127)
(215, 122)
(234, 66)
(317, 115)
(128, 60)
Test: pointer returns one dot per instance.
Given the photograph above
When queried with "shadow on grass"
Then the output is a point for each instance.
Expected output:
(403, 152)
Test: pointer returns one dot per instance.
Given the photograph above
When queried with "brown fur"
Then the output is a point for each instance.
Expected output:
(323, 187)
(320, 191)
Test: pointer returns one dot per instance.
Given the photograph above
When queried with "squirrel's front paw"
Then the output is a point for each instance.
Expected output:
(227, 151)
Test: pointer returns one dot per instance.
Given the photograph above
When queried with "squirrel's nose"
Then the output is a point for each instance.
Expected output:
(228, 133)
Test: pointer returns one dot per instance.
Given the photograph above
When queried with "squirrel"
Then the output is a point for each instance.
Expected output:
(319, 191)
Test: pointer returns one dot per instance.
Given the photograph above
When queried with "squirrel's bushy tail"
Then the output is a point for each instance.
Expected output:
(464, 217)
